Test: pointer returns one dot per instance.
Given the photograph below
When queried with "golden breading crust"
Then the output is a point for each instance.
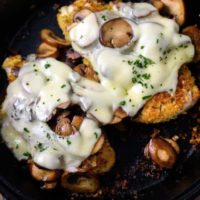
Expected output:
(66, 14)
(163, 107)
(11, 65)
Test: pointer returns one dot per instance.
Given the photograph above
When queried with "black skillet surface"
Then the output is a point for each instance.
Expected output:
(132, 177)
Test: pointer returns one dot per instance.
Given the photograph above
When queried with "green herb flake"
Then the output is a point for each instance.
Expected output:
(47, 65)
(96, 135)
(63, 86)
(104, 17)
(26, 130)
(122, 103)
(146, 97)
(48, 136)
(27, 154)
(40, 147)
(69, 142)
(142, 47)
(58, 100)
(17, 146)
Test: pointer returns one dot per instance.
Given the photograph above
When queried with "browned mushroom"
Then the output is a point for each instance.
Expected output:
(73, 56)
(50, 38)
(98, 145)
(162, 152)
(175, 8)
(80, 182)
(87, 72)
(100, 162)
(63, 125)
(116, 33)
(194, 33)
(49, 185)
(45, 50)
(119, 115)
(77, 121)
(41, 174)
(79, 16)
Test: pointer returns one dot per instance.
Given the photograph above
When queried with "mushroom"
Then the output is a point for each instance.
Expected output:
(194, 33)
(162, 151)
(50, 38)
(100, 162)
(80, 182)
(175, 8)
(45, 50)
(63, 126)
(73, 56)
(77, 121)
(41, 174)
(98, 145)
(119, 115)
(87, 72)
(49, 186)
(79, 16)
(116, 33)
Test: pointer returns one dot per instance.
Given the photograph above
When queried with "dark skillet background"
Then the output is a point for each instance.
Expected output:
(15, 182)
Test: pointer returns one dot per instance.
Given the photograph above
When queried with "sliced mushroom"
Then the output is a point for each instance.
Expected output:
(63, 126)
(175, 8)
(41, 174)
(87, 72)
(50, 38)
(98, 145)
(80, 182)
(101, 162)
(194, 33)
(79, 16)
(162, 152)
(77, 121)
(116, 33)
(49, 186)
(45, 50)
(119, 115)
(73, 56)
(64, 105)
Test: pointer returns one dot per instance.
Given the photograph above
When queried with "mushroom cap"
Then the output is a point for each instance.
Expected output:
(116, 33)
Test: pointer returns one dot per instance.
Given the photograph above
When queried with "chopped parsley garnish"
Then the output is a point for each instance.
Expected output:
(40, 147)
(48, 136)
(122, 103)
(48, 79)
(69, 142)
(47, 65)
(17, 146)
(183, 46)
(58, 100)
(157, 41)
(27, 154)
(152, 87)
(104, 17)
(35, 70)
(96, 135)
(63, 86)
(26, 130)
(142, 47)
(146, 76)
(146, 97)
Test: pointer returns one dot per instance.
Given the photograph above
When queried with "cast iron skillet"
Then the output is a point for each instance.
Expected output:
(132, 177)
